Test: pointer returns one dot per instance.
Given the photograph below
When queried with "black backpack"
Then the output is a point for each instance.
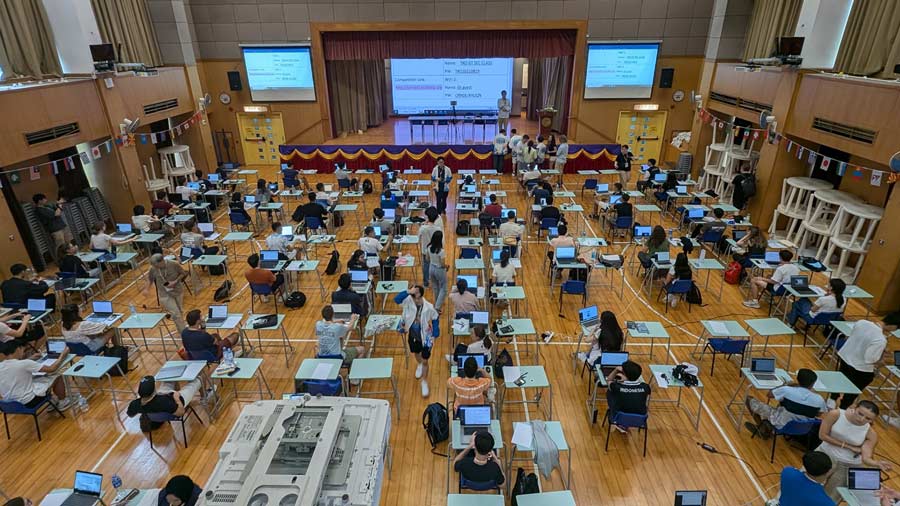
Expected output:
(295, 300)
(367, 187)
(462, 228)
(388, 268)
(120, 352)
(748, 185)
(436, 422)
(504, 359)
(223, 292)
(334, 263)
(525, 484)
(694, 296)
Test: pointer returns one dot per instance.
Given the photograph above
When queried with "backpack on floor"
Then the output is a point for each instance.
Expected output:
(462, 228)
(694, 296)
(436, 422)
(388, 268)
(367, 187)
(337, 219)
(333, 263)
(525, 484)
(733, 273)
(223, 292)
(504, 359)
(121, 353)
(295, 300)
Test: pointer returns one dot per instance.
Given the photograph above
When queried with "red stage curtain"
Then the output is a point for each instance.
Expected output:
(449, 44)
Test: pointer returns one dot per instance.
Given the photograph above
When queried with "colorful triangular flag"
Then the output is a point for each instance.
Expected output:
(178, 130)
(35, 172)
(153, 138)
(85, 159)
(108, 146)
(826, 163)
(95, 152)
(790, 145)
(55, 166)
(875, 180)
(800, 152)
(811, 159)
(143, 139)
(856, 172)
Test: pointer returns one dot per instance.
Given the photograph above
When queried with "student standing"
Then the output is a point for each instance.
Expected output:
(437, 270)
(562, 154)
(419, 320)
(623, 165)
(500, 142)
(441, 175)
(515, 140)
(503, 109)
(425, 232)
(858, 358)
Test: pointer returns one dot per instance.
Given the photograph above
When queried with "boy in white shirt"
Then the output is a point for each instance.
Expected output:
(371, 244)
(515, 140)
(782, 275)
(500, 141)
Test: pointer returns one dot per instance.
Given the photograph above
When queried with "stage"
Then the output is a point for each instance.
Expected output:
(396, 131)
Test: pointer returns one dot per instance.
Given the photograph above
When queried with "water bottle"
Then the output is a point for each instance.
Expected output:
(504, 316)
(132, 308)
(117, 484)
(81, 403)
(228, 356)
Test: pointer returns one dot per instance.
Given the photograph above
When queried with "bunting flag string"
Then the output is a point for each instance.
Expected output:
(162, 135)
(68, 162)
(856, 171)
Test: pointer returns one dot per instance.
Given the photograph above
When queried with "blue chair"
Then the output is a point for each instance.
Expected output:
(313, 223)
(711, 238)
(291, 182)
(324, 203)
(169, 418)
(17, 408)
(80, 349)
(794, 428)
(547, 224)
(239, 220)
(821, 319)
(469, 253)
(589, 184)
(573, 287)
(725, 346)
(676, 287)
(627, 420)
(622, 223)
(206, 355)
(389, 204)
(262, 290)
(331, 388)
(478, 486)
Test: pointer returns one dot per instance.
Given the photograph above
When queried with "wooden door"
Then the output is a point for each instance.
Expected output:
(261, 134)
(643, 132)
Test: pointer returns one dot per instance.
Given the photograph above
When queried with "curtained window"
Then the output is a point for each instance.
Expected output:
(27, 49)
(127, 22)
(356, 89)
(770, 19)
(871, 42)
(549, 85)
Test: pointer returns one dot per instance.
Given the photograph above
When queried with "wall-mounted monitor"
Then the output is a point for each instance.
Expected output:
(280, 73)
(620, 70)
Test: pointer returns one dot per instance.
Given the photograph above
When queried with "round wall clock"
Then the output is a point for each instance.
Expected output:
(678, 95)
(225, 98)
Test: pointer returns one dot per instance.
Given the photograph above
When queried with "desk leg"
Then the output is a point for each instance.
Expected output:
(790, 352)
(699, 408)
(396, 393)
(743, 407)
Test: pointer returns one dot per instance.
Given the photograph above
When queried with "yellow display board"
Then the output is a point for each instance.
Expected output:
(261, 134)
(643, 132)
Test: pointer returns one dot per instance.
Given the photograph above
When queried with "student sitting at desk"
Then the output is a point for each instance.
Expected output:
(795, 402)
(607, 336)
(478, 462)
(100, 240)
(179, 491)
(782, 275)
(284, 245)
(165, 400)
(342, 173)
(551, 211)
(237, 206)
(657, 242)
(482, 343)
(200, 344)
(21, 332)
(143, 222)
(601, 200)
(463, 300)
(753, 244)
(23, 285)
(504, 271)
(493, 209)
(370, 243)
(18, 381)
(805, 486)
(680, 270)
(624, 207)
(378, 220)
(357, 261)
(258, 276)
(263, 194)
(71, 263)
(717, 223)
(187, 193)
(323, 195)
(94, 335)
(161, 207)
(534, 174)
(832, 302)
(470, 389)
(201, 179)
(626, 392)
(510, 232)
(346, 295)
(648, 175)
(542, 190)
(331, 333)
(192, 237)
(312, 209)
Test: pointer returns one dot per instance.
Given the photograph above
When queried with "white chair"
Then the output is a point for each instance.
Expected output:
(795, 195)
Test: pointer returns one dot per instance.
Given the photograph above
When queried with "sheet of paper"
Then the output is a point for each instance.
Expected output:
(232, 321)
(322, 371)
(775, 244)
(610, 258)
(662, 382)
(480, 292)
(55, 499)
(522, 434)
(194, 370)
(818, 289)
(718, 327)
(511, 373)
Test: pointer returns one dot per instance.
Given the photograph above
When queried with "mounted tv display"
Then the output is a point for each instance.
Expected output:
(620, 70)
(280, 73)
(430, 84)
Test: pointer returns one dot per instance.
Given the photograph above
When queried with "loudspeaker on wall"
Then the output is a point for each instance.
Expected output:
(665, 78)
(234, 80)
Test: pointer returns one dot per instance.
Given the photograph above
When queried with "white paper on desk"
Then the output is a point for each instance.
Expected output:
(193, 370)
(662, 382)
(775, 245)
(231, 321)
(480, 292)
(322, 371)
(511, 373)
(55, 499)
(610, 258)
(372, 262)
(718, 327)
(522, 434)
(461, 325)
(818, 289)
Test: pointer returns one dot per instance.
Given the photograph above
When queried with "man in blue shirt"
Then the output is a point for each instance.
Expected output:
(795, 402)
(803, 487)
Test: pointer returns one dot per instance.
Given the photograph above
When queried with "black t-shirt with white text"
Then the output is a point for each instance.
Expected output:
(479, 473)
(630, 396)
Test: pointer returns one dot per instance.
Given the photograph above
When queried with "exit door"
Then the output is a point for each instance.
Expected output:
(643, 132)
(261, 134)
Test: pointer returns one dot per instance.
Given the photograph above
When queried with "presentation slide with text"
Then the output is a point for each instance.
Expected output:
(279, 73)
(431, 84)
(620, 70)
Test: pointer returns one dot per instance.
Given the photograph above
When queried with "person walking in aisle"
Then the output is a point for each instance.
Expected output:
(419, 323)
(500, 141)
(168, 277)
(441, 175)
(623, 165)
(437, 270)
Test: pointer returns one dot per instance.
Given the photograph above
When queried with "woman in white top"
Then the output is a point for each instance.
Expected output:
(562, 153)
(504, 272)
(848, 438)
(94, 335)
(100, 240)
(7, 333)
(832, 302)
(419, 320)
(858, 357)
(482, 343)
(437, 269)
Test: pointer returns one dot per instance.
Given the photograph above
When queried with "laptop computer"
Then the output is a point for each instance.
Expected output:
(377, 230)
(690, 498)
(614, 199)
(250, 199)
(553, 232)
(474, 418)
(36, 307)
(897, 358)
(495, 255)
(610, 360)
(193, 186)
(589, 317)
(86, 491)
(122, 230)
(800, 284)
(342, 311)
(602, 188)
(288, 232)
(659, 178)
(642, 231)
(772, 258)
(273, 187)
(359, 278)
(505, 213)
(737, 235)
(217, 314)
(565, 255)
(268, 259)
(470, 188)
(171, 372)
(212, 177)
(480, 359)
(662, 258)
(101, 310)
(207, 229)
(186, 254)
(55, 348)
(471, 283)
(763, 370)
(863, 483)
(695, 214)
(389, 214)
(480, 317)
(681, 190)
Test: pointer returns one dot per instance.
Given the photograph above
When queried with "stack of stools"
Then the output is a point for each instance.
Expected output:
(176, 163)
(795, 195)
(821, 211)
(852, 232)
(715, 159)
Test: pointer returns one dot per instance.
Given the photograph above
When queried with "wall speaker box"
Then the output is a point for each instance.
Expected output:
(234, 81)
(665, 78)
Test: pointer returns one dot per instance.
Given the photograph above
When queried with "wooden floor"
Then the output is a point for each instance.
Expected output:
(98, 441)
(397, 131)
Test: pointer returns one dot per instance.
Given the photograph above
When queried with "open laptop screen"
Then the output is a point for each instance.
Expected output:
(690, 498)
(475, 415)
(762, 365)
(218, 311)
(269, 254)
(124, 228)
(37, 304)
(772, 257)
(479, 317)
(588, 313)
(471, 281)
(565, 253)
(613, 358)
(359, 276)
(102, 306)
(462, 357)
(859, 478)
(88, 483)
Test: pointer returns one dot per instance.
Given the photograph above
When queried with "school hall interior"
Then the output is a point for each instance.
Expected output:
(463, 253)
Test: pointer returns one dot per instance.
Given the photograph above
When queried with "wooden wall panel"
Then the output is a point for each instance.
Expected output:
(759, 86)
(126, 99)
(36, 108)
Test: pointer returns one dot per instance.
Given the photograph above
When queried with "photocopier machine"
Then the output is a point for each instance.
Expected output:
(306, 451)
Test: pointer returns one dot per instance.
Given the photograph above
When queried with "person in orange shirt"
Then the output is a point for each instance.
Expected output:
(472, 388)
(257, 276)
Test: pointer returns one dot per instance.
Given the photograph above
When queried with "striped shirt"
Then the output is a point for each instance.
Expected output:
(468, 390)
